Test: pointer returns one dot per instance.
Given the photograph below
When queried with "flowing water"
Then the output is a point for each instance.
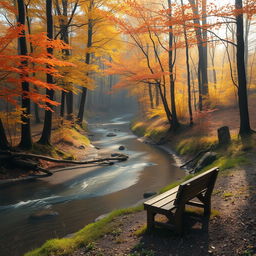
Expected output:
(79, 195)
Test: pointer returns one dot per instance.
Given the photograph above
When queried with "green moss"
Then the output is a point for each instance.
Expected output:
(228, 161)
(83, 237)
(44, 150)
(72, 136)
(200, 211)
(138, 128)
(142, 230)
(152, 131)
(195, 144)
(227, 194)
(156, 133)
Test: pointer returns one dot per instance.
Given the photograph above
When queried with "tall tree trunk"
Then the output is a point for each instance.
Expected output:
(157, 95)
(36, 108)
(80, 115)
(245, 128)
(150, 93)
(69, 94)
(4, 144)
(62, 104)
(188, 68)
(26, 139)
(46, 134)
(214, 74)
(165, 104)
(175, 122)
(202, 54)
(205, 89)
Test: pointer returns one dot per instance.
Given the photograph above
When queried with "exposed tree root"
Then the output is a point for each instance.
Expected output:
(192, 163)
(29, 161)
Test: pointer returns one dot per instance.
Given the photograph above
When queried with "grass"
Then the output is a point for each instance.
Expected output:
(227, 194)
(140, 231)
(85, 237)
(139, 250)
(154, 130)
(200, 211)
(71, 136)
(193, 145)
(44, 150)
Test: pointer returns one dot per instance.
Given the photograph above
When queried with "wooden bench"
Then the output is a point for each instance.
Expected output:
(172, 202)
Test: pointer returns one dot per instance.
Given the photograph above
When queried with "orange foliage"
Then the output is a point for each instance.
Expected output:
(14, 71)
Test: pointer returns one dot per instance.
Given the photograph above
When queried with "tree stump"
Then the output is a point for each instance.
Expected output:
(224, 135)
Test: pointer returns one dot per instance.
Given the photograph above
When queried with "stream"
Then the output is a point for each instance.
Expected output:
(79, 195)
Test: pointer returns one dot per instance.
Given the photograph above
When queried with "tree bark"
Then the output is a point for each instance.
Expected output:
(46, 134)
(36, 108)
(245, 128)
(150, 93)
(26, 139)
(175, 122)
(202, 54)
(64, 32)
(188, 68)
(4, 144)
(80, 115)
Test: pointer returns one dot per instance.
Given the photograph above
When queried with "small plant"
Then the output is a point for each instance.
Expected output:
(90, 246)
(227, 194)
(249, 252)
(139, 250)
(116, 232)
(141, 230)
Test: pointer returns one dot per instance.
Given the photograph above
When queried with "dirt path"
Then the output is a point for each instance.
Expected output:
(232, 231)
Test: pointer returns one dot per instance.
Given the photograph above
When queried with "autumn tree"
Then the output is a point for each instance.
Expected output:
(66, 16)
(89, 42)
(245, 128)
(201, 36)
(26, 139)
(46, 133)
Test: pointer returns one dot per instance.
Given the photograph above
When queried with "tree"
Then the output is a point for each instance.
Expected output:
(4, 144)
(64, 22)
(245, 128)
(80, 115)
(187, 65)
(46, 133)
(202, 50)
(175, 122)
(26, 139)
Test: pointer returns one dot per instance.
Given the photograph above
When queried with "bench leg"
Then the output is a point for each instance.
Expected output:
(179, 224)
(150, 219)
(207, 208)
(178, 220)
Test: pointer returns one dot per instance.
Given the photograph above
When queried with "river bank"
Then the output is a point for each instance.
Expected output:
(230, 230)
(80, 195)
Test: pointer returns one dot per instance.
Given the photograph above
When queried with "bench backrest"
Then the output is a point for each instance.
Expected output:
(197, 185)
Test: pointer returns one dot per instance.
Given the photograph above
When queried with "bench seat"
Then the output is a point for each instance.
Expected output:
(172, 202)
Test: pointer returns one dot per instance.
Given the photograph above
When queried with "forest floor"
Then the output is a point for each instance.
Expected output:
(67, 143)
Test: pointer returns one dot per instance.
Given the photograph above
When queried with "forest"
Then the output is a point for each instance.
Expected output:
(106, 103)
